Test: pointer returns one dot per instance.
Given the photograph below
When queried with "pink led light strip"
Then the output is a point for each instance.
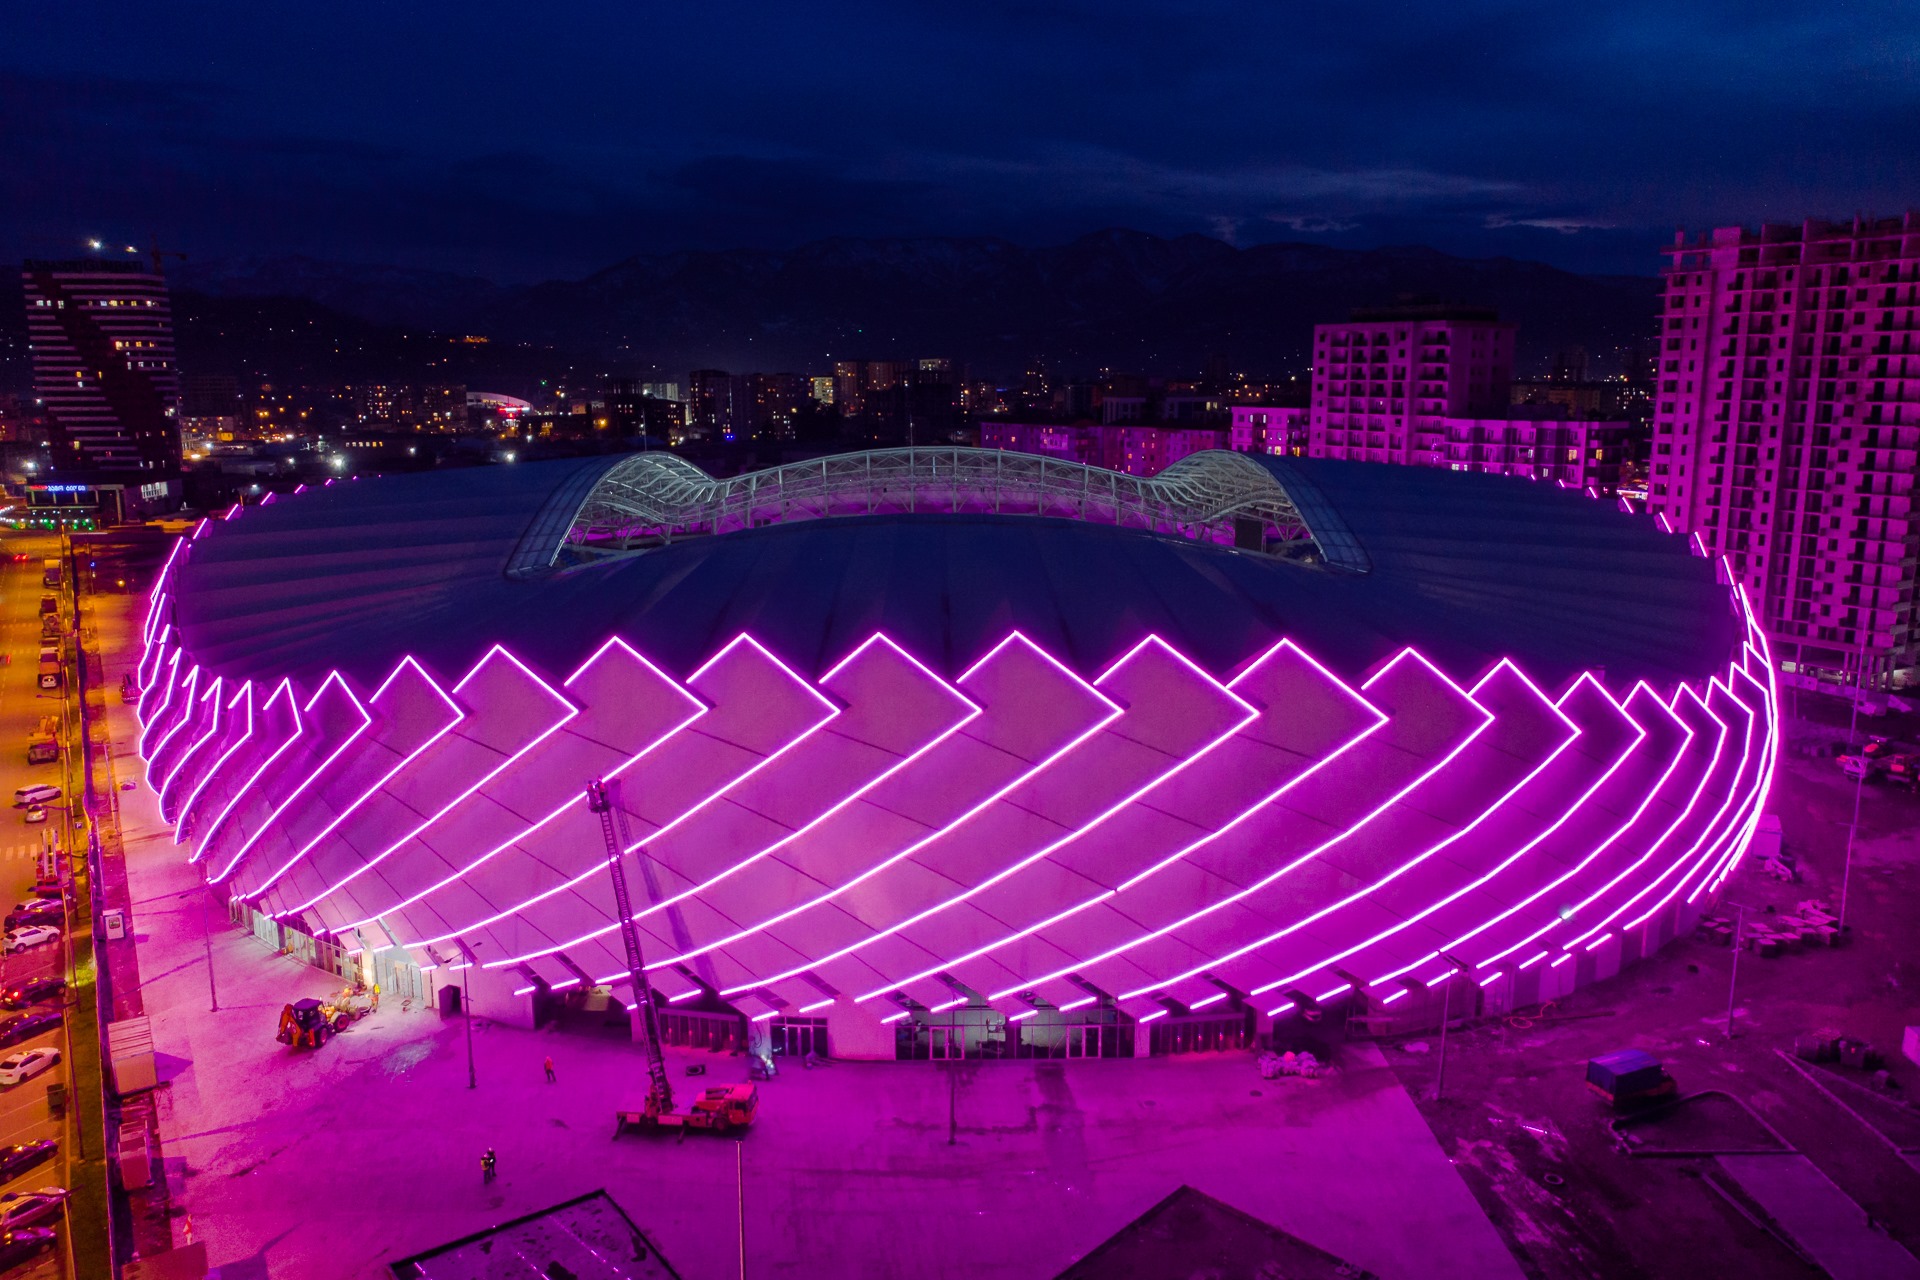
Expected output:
(1406, 867)
(1113, 712)
(1248, 715)
(972, 712)
(1720, 839)
(1646, 800)
(1579, 806)
(1447, 842)
(1166, 930)
(567, 712)
(1705, 840)
(569, 805)
(244, 699)
(333, 678)
(160, 713)
(1225, 829)
(213, 697)
(459, 714)
(285, 690)
(1740, 829)
(182, 714)
(598, 868)
(1620, 758)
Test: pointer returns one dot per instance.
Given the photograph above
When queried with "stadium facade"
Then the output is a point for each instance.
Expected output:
(927, 753)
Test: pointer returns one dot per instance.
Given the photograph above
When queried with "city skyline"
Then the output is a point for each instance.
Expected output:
(523, 152)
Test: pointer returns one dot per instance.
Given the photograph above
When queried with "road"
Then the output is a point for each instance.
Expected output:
(24, 1116)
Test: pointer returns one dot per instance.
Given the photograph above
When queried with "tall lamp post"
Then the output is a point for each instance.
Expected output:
(1733, 978)
(1460, 968)
(206, 937)
(466, 1005)
(1859, 785)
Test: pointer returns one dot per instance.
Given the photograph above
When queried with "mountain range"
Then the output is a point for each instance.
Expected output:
(1113, 299)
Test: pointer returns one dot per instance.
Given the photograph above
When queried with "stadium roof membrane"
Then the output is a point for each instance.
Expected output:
(904, 731)
(442, 565)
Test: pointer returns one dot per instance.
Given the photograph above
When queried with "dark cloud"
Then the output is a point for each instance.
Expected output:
(488, 137)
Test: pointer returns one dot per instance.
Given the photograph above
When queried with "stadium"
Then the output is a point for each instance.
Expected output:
(942, 753)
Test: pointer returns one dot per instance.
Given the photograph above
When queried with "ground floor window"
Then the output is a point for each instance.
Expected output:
(798, 1037)
(986, 1035)
(693, 1029)
(1074, 1039)
(1202, 1033)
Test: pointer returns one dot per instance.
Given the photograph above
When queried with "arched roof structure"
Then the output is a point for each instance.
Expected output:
(902, 733)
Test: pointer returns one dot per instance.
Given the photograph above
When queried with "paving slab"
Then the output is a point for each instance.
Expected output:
(1821, 1218)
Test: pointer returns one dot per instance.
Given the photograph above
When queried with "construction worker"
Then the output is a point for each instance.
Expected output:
(486, 1167)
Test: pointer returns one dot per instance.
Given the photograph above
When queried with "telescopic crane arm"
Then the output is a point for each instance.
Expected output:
(659, 1091)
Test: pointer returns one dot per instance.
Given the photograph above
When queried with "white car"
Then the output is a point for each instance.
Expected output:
(17, 1068)
(36, 814)
(27, 1208)
(33, 935)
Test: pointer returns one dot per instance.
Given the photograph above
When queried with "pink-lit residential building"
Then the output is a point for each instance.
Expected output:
(1130, 449)
(1268, 429)
(1429, 386)
(1787, 428)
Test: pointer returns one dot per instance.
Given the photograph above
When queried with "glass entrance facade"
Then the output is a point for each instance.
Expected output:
(983, 1034)
(798, 1037)
(1203, 1033)
(693, 1029)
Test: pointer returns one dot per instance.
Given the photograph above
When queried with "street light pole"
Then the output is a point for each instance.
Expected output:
(1446, 1008)
(1733, 978)
(206, 934)
(466, 1008)
(1859, 785)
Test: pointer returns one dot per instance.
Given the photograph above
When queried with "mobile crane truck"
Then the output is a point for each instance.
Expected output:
(720, 1108)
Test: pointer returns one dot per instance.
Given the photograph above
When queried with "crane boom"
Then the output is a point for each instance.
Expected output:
(659, 1090)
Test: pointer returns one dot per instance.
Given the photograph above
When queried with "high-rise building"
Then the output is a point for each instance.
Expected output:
(1428, 385)
(631, 411)
(103, 365)
(1787, 425)
(766, 406)
(384, 404)
(709, 404)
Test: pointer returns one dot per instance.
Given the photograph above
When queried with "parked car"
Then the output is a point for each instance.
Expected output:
(32, 935)
(49, 889)
(1903, 769)
(25, 1208)
(38, 794)
(38, 911)
(32, 991)
(22, 1156)
(25, 1026)
(24, 1245)
(18, 1068)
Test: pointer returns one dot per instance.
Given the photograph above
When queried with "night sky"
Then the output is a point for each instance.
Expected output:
(522, 141)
